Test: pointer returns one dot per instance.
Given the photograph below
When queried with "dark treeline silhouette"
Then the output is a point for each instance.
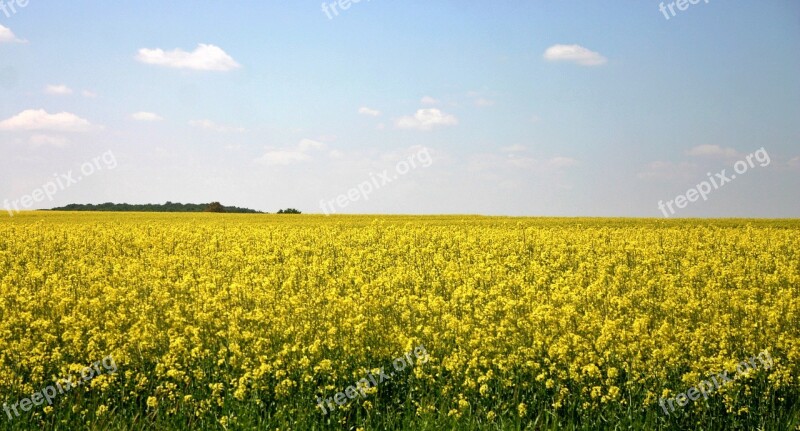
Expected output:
(171, 207)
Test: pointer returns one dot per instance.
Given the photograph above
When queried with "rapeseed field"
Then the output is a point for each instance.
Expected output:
(234, 322)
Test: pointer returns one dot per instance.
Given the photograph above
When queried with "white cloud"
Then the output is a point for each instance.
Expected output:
(553, 164)
(204, 57)
(712, 151)
(282, 157)
(309, 144)
(288, 156)
(426, 119)
(7, 36)
(63, 90)
(514, 149)
(562, 162)
(146, 116)
(46, 140)
(668, 171)
(369, 111)
(58, 90)
(516, 159)
(210, 125)
(575, 54)
(428, 100)
(482, 98)
(524, 162)
(33, 119)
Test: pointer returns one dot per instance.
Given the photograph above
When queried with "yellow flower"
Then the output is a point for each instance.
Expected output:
(152, 402)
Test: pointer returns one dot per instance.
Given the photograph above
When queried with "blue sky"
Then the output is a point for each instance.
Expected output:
(518, 107)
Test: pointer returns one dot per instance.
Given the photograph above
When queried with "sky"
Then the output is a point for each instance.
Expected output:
(534, 108)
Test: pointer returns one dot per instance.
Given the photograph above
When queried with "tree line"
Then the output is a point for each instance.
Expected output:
(172, 207)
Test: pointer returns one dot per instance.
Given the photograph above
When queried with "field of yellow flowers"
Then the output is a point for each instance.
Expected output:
(246, 321)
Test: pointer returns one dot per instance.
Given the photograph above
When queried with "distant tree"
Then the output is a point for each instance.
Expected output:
(289, 211)
(167, 207)
(214, 207)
